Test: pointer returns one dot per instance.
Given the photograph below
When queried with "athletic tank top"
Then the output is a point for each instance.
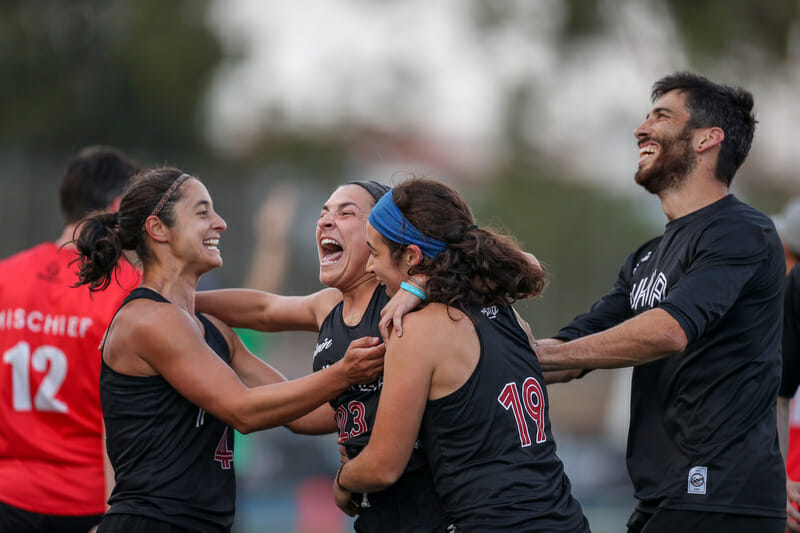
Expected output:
(172, 461)
(489, 443)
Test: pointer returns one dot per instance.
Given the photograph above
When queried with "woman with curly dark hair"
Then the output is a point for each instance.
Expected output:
(463, 376)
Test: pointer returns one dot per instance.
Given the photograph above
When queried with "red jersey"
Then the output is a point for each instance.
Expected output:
(51, 423)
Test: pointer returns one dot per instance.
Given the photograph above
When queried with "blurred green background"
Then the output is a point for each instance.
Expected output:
(526, 107)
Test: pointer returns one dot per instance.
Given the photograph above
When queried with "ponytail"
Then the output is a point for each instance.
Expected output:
(99, 248)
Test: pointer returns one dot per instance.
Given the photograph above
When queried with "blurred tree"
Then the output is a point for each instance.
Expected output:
(121, 71)
(714, 28)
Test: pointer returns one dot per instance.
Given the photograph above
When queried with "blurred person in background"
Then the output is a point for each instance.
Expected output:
(348, 310)
(52, 475)
(463, 378)
(173, 381)
(697, 312)
(788, 225)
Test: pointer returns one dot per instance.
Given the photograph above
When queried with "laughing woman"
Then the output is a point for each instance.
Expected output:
(174, 382)
(463, 375)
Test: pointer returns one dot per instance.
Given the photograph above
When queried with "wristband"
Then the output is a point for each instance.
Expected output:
(417, 283)
(413, 290)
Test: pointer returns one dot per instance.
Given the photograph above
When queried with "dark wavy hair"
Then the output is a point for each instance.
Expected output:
(714, 105)
(479, 266)
(101, 239)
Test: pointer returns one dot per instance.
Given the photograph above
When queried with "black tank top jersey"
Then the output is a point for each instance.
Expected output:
(490, 445)
(356, 407)
(173, 462)
(410, 505)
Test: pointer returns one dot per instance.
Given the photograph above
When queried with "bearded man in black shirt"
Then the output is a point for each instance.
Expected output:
(697, 311)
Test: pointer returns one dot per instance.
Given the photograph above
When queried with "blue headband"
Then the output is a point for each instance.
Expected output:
(390, 222)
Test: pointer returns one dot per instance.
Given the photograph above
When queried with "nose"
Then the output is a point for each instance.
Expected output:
(370, 264)
(325, 221)
(643, 129)
(220, 224)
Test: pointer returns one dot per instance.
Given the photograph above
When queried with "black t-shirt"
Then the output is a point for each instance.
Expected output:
(490, 444)
(703, 433)
(173, 462)
(791, 335)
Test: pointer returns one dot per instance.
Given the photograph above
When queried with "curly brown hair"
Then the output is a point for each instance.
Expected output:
(479, 266)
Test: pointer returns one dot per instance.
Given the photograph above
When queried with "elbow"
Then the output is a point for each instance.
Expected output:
(674, 340)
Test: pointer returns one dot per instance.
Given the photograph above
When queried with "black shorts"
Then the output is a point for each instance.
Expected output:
(408, 506)
(671, 521)
(16, 520)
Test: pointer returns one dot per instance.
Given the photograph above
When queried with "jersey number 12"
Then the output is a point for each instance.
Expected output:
(44, 358)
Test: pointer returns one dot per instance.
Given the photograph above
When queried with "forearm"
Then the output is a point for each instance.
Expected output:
(239, 308)
(644, 338)
(281, 403)
(366, 473)
(783, 425)
(320, 421)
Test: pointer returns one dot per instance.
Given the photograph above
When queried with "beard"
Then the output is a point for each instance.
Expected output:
(672, 166)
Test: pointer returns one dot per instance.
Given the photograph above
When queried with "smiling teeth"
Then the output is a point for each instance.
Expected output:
(211, 243)
(647, 150)
(327, 240)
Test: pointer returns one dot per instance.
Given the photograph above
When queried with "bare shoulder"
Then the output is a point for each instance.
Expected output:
(324, 301)
(435, 324)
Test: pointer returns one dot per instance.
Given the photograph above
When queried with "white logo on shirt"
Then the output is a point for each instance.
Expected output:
(648, 292)
(698, 478)
(642, 260)
(324, 345)
(490, 312)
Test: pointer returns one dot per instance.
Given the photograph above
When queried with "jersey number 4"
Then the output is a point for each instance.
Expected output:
(44, 359)
(533, 399)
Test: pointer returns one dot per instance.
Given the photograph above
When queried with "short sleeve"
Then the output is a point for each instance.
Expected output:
(726, 260)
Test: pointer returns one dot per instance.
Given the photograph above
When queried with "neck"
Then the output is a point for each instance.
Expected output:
(356, 298)
(66, 235)
(177, 289)
(696, 192)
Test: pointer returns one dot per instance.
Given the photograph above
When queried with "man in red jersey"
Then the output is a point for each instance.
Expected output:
(52, 476)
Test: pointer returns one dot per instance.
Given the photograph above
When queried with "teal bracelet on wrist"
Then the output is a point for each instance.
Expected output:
(413, 290)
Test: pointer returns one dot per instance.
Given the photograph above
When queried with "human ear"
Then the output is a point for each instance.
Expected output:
(155, 228)
(413, 255)
(710, 138)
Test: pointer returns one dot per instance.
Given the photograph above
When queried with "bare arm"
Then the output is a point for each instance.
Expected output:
(406, 386)
(270, 254)
(265, 311)
(647, 337)
(170, 341)
(255, 372)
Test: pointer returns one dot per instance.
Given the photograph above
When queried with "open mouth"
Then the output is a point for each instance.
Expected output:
(647, 152)
(330, 251)
(211, 244)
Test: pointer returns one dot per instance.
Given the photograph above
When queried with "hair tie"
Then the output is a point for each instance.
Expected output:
(169, 194)
(389, 221)
(470, 227)
(116, 218)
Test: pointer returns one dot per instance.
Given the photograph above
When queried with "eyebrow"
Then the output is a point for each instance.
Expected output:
(342, 206)
(660, 110)
(202, 202)
(370, 246)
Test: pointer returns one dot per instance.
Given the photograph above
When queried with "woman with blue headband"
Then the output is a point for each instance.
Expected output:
(463, 377)
(347, 311)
